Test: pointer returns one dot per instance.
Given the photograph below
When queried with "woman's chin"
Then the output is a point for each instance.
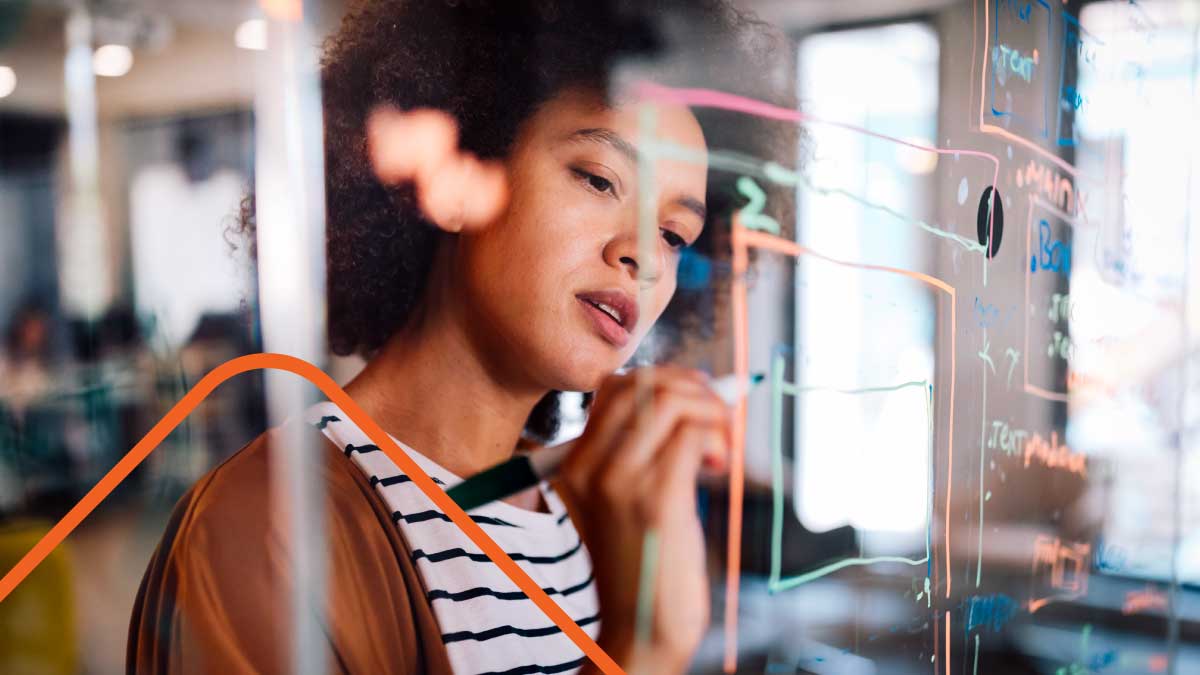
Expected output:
(584, 372)
(576, 383)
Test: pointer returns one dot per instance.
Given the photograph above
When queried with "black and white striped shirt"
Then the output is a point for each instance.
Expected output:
(488, 625)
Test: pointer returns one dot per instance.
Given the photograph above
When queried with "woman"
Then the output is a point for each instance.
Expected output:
(470, 334)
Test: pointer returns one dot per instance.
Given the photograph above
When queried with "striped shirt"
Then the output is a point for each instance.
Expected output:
(488, 625)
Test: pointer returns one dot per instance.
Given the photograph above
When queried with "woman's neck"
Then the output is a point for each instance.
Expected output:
(431, 388)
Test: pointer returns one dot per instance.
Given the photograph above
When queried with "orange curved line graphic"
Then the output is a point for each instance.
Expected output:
(335, 393)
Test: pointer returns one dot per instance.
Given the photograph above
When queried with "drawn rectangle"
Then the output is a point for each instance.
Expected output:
(1002, 57)
(1048, 254)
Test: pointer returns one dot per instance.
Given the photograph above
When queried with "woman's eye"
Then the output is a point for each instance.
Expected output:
(674, 240)
(597, 183)
(601, 184)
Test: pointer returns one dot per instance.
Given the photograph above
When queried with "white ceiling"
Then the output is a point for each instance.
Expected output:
(185, 57)
(798, 16)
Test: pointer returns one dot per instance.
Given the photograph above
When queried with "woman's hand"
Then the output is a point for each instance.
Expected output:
(632, 471)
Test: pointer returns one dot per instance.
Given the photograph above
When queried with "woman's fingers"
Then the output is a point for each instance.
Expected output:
(629, 404)
(663, 414)
(669, 483)
(627, 423)
(678, 463)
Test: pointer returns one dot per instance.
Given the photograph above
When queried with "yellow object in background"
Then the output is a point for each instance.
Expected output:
(37, 621)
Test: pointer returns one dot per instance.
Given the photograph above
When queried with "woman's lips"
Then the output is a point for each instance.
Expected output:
(608, 327)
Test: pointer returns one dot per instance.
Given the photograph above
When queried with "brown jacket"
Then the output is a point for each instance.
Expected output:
(215, 597)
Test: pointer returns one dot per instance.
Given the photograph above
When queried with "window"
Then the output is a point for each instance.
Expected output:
(865, 340)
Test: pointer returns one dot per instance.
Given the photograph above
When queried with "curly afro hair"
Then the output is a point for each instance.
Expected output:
(490, 64)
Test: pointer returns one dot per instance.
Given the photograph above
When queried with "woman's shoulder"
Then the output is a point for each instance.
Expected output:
(242, 492)
(237, 491)
(221, 571)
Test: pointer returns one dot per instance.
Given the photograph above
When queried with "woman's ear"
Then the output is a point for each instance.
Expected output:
(455, 190)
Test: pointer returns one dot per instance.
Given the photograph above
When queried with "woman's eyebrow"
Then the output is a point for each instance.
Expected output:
(607, 137)
(694, 205)
(618, 143)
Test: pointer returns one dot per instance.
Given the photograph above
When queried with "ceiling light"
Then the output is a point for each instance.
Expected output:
(112, 60)
(251, 34)
(8, 81)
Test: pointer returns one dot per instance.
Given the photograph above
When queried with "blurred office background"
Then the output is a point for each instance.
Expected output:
(106, 326)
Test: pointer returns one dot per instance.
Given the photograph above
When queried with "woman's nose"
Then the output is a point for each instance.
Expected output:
(642, 266)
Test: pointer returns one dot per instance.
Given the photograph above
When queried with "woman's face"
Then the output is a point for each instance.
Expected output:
(559, 290)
